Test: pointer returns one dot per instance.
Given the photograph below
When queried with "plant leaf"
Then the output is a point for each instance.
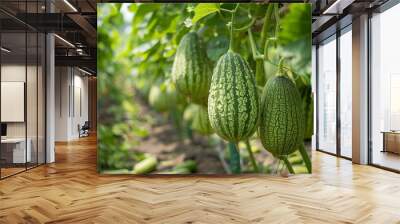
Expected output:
(217, 46)
(204, 9)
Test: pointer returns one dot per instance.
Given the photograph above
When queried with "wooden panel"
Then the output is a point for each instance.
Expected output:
(71, 191)
(92, 100)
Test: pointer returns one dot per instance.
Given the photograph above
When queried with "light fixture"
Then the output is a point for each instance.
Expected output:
(70, 5)
(64, 40)
(5, 50)
(337, 7)
(84, 71)
(80, 51)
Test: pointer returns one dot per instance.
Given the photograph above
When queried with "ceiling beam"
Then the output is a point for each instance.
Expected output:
(337, 7)
(320, 22)
(86, 26)
(81, 61)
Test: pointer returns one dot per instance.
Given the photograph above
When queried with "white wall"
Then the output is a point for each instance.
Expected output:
(62, 81)
(33, 126)
(71, 94)
(80, 109)
(12, 73)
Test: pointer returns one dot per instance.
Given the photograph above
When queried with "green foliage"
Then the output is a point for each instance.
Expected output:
(217, 46)
(163, 97)
(204, 9)
(136, 48)
(295, 36)
(189, 165)
(190, 112)
(119, 129)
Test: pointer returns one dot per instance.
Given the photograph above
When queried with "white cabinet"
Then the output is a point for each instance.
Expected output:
(18, 149)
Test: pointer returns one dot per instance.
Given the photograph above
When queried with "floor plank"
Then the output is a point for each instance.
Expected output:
(70, 191)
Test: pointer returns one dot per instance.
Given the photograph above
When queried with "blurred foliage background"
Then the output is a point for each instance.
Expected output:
(136, 48)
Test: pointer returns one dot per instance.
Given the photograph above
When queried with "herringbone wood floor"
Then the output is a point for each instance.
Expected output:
(70, 191)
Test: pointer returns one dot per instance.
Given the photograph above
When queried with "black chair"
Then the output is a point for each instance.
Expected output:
(84, 130)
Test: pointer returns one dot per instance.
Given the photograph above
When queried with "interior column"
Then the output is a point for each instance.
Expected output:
(360, 90)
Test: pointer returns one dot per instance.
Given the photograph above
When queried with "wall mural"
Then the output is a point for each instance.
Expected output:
(207, 88)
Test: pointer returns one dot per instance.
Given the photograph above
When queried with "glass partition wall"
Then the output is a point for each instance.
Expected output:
(327, 95)
(22, 77)
(385, 89)
(345, 90)
(334, 94)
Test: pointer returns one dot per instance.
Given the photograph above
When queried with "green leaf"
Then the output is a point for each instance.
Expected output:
(204, 9)
(142, 11)
(217, 46)
(295, 36)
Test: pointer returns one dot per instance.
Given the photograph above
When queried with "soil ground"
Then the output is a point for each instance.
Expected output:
(165, 143)
(171, 149)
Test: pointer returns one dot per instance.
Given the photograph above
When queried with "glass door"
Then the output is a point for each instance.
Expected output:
(14, 153)
(326, 90)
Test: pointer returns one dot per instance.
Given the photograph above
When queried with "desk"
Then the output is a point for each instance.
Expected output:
(391, 141)
(16, 147)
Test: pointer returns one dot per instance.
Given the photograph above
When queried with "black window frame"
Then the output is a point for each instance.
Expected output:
(30, 29)
(341, 27)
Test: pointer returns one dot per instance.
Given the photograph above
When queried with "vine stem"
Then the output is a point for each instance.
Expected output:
(267, 20)
(256, 55)
(234, 160)
(252, 159)
(266, 47)
(305, 157)
(231, 28)
(288, 165)
(245, 27)
(280, 66)
(226, 10)
(276, 21)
